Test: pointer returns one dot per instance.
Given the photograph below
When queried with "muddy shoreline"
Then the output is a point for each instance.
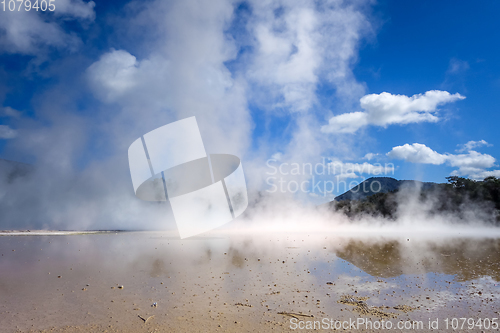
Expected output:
(155, 282)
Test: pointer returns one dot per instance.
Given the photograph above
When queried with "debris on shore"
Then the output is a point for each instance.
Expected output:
(362, 308)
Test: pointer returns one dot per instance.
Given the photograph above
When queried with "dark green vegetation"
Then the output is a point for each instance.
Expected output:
(462, 197)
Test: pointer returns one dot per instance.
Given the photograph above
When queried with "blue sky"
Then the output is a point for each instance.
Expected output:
(265, 79)
(415, 51)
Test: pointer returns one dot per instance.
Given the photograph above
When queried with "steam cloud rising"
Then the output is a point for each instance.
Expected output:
(218, 61)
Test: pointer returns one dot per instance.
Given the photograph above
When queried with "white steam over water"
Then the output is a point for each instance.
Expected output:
(195, 67)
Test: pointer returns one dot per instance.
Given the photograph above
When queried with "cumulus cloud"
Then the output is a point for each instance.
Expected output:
(471, 145)
(472, 159)
(113, 75)
(417, 153)
(26, 32)
(346, 123)
(6, 132)
(472, 164)
(387, 109)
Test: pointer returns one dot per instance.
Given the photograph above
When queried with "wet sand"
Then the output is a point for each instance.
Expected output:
(155, 282)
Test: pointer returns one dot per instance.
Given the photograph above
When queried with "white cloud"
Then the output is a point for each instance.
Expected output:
(472, 164)
(370, 156)
(484, 174)
(7, 111)
(27, 31)
(113, 75)
(346, 123)
(417, 153)
(471, 145)
(473, 159)
(386, 109)
(6, 132)
(76, 9)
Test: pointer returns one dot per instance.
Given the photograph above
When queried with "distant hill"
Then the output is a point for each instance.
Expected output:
(376, 185)
(461, 197)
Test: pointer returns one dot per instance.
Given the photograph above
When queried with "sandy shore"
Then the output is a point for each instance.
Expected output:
(155, 282)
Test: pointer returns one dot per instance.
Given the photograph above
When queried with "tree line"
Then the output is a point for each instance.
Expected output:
(463, 197)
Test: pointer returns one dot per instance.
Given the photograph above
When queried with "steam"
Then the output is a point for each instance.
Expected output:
(192, 60)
